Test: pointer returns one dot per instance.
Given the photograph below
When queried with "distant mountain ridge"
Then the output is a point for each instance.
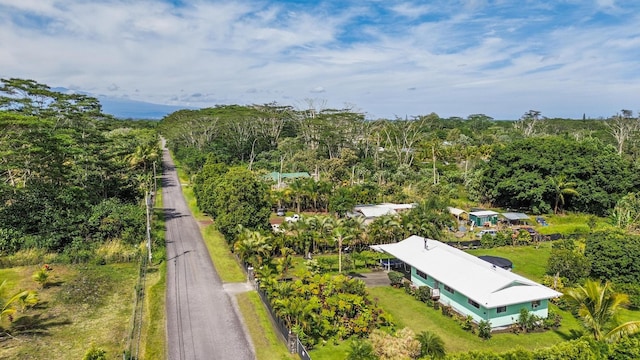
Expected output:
(129, 109)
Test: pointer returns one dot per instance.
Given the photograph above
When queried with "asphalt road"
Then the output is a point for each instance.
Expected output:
(202, 322)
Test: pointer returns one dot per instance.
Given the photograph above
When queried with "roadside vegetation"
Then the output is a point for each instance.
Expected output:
(73, 183)
(544, 167)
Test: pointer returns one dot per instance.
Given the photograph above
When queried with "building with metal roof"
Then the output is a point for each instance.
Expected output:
(515, 218)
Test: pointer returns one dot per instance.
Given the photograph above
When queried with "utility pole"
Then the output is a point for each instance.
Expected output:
(147, 201)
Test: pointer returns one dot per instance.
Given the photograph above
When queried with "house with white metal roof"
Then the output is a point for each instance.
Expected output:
(471, 286)
(370, 212)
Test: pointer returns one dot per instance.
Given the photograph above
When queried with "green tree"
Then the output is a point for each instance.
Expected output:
(341, 235)
(241, 199)
(561, 187)
(597, 305)
(613, 256)
(568, 263)
(431, 345)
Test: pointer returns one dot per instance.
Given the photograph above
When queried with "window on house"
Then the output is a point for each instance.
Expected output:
(501, 309)
(421, 274)
(449, 289)
(474, 304)
(535, 304)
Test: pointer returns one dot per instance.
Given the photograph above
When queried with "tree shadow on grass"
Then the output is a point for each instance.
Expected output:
(36, 324)
(572, 334)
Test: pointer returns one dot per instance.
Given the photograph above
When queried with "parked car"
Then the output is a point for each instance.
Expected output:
(491, 232)
(281, 211)
(293, 218)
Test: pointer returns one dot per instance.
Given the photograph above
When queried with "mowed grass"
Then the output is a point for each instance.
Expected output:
(155, 319)
(82, 305)
(330, 351)
(527, 260)
(256, 318)
(225, 263)
(409, 312)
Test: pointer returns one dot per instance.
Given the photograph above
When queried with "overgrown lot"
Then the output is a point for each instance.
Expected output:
(79, 306)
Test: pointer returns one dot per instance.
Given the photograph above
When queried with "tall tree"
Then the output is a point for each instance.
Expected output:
(560, 186)
(622, 127)
(597, 305)
(241, 198)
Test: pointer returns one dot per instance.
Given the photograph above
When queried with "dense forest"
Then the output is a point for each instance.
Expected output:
(72, 178)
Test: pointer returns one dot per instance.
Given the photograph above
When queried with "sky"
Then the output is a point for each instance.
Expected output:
(387, 59)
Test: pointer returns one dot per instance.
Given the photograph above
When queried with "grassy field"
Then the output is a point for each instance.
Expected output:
(571, 223)
(527, 260)
(407, 311)
(81, 306)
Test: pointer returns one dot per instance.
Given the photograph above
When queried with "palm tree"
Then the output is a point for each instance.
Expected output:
(597, 306)
(431, 345)
(561, 187)
(361, 350)
(340, 234)
(25, 298)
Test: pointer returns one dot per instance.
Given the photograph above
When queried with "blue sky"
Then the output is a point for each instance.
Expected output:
(385, 58)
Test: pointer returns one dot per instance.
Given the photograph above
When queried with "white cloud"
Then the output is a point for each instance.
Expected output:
(477, 58)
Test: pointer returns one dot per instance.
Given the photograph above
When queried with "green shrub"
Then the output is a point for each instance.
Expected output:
(423, 293)
(395, 278)
(95, 353)
(484, 330)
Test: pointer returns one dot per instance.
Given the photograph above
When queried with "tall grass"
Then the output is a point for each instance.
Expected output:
(31, 256)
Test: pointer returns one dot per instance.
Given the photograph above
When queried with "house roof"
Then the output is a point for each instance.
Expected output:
(477, 279)
(515, 216)
(456, 211)
(483, 213)
(372, 211)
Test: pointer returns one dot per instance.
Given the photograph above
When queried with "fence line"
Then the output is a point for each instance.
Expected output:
(294, 345)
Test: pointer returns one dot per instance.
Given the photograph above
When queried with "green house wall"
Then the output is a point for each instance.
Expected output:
(460, 303)
(479, 221)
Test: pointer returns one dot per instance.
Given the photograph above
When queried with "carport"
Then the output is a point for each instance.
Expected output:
(516, 218)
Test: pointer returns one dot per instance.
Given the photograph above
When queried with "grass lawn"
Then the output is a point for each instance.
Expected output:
(82, 305)
(263, 334)
(330, 351)
(527, 260)
(225, 263)
(408, 312)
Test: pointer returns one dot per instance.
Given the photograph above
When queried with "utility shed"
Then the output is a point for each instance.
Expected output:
(484, 217)
(516, 218)
(458, 213)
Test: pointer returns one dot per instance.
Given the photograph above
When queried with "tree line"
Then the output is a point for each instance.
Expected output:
(71, 177)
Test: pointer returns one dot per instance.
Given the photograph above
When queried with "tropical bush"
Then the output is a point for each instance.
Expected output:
(324, 307)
